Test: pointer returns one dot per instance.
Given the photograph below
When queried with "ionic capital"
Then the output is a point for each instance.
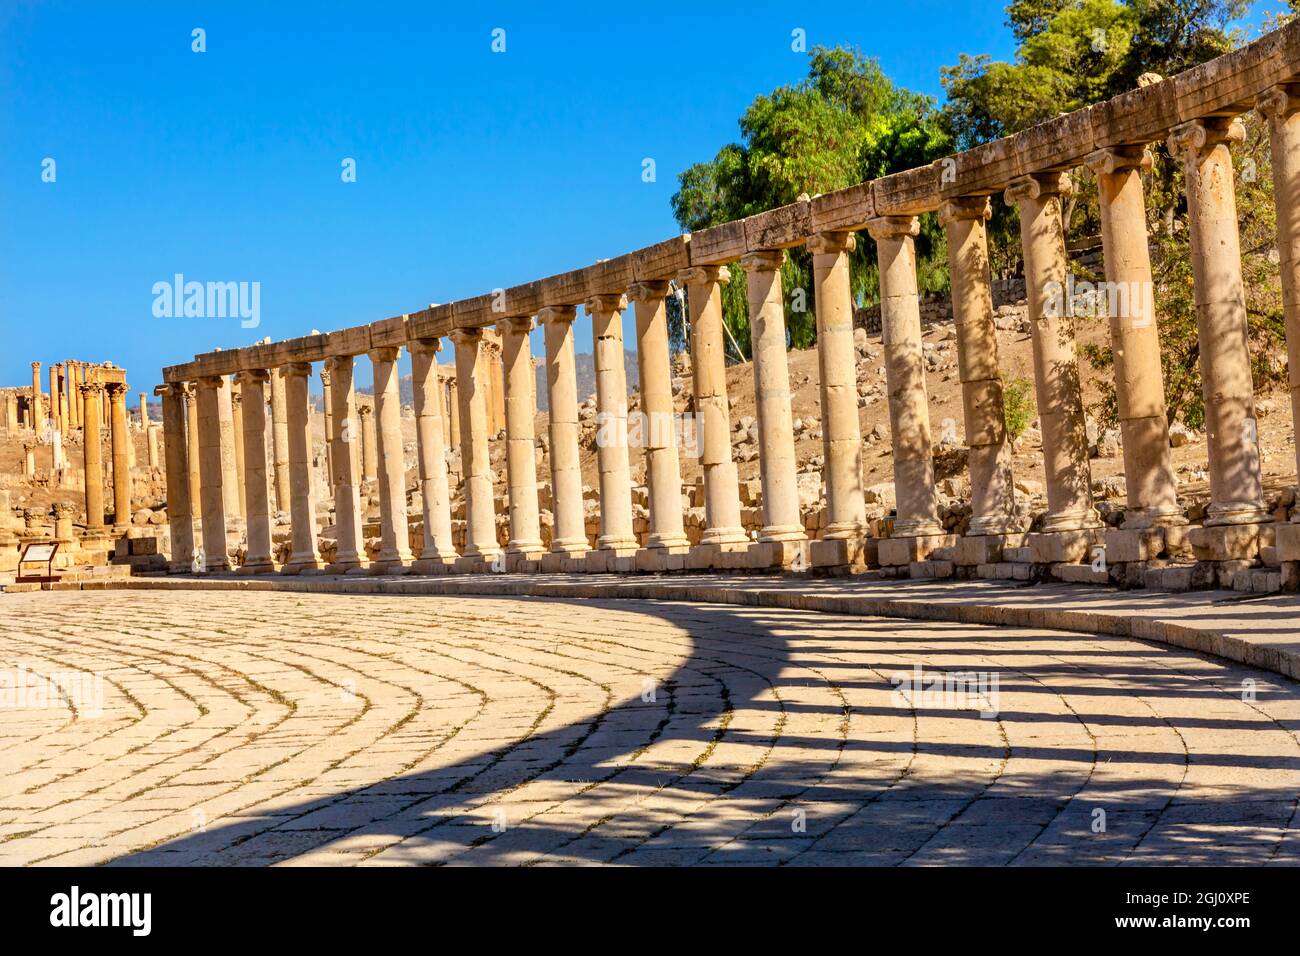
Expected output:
(325, 375)
(1118, 159)
(424, 346)
(704, 275)
(763, 260)
(831, 243)
(1192, 140)
(653, 291)
(1280, 103)
(466, 337)
(515, 325)
(251, 376)
(608, 302)
(1037, 186)
(89, 389)
(169, 390)
(336, 362)
(385, 353)
(556, 314)
(893, 227)
(965, 209)
(296, 370)
(36, 365)
(365, 410)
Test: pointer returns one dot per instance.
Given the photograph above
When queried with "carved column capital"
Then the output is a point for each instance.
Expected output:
(424, 346)
(467, 336)
(557, 313)
(831, 243)
(386, 353)
(1118, 159)
(965, 208)
(893, 227)
(1192, 139)
(296, 370)
(1280, 103)
(762, 260)
(648, 291)
(250, 376)
(1037, 186)
(609, 302)
(515, 325)
(703, 275)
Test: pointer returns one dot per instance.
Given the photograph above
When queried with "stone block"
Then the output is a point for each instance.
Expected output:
(660, 560)
(782, 555)
(931, 569)
(432, 565)
(556, 562)
(1268, 555)
(838, 553)
(974, 550)
(1080, 574)
(524, 562)
(1287, 537)
(1227, 573)
(1064, 547)
(1021, 555)
(1230, 542)
(1170, 579)
(1123, 545)
(897, 552)
(1290, 576)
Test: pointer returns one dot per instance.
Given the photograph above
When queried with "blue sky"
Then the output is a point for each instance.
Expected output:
(474, 169)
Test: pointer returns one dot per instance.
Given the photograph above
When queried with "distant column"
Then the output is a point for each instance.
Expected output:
(480, 512)
(328, 412)
(279, 441)
(212, 473)
(438, 547)
(237, 441)
(616, 529)
(56, 423)
(180, 519)
(93, 460)
(304, 555)
(521, 442)
(345, 477)
(120, 435)
(151, 442)
(252, 391)
(38, 417)
(394, 530)
(144, 411)
(369, 447)
(230, 482)
(190, 392)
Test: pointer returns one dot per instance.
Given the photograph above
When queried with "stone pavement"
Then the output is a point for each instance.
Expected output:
(311, 728)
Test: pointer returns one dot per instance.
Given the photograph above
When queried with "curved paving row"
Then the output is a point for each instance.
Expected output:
(260, 728)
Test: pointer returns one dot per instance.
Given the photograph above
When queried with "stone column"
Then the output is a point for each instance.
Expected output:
(230, 482)
(237, 441)
(1280, 106)
(662, 466)
(453, 413)
(992, 485)
(480, 512)
(11, 412)
(120, 435)
(73, 399)
(252, 391)
(1056, 365)
(616, 529)
(279, 441)
(1135, 339)
(345, 477)
(180, 519)
(837, 362)
(38, 417)
(782, 522)
(709, 373)
(909, 406)
(212, 500)
(304, 555)
(151, 442)
(328, 410)
(369, 448)
(55, 423)
(569, 536)
(144, 411)
(65, 406)
(1236, 488)
(439, 550)
(394, 532)
(190, 392)
(521, 443)
(29, 458)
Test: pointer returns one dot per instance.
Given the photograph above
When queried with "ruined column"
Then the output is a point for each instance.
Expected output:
(992, 484)
(782, 522)
(65, 408)
(212, 500)
(909, 406)
(345, 477)
(663, 470)
(521, 443)
(453, 413)
(569, 536)
(841, 433)
(180, 521)
(439, 550)
(237, 441)
(1236, 488)
(38, 418)
(1135, 339)
(328, 410)
(1056, 365)
(304, 555)
(723, 529)
(29, 458)
(279, 441)
(190, 393)
(1280, 106)
(369, 447)
(394, 534)
(120, 436)
(480, 510)
(151, 443)
(11, 412)
(144, 411)
(252, 393)
(71, 386)
(230, 483)
(55, 423)
(616, 530)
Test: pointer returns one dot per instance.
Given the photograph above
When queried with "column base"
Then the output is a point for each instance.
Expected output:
(1168, 516)
(782, 532)
(439, 565)
(1064, 547)
(724, 536)
(302, 566)
(257, 567)
(565, 562)
(995, 525)
(1069, 521)
(784, 555)
(974, 550)
(1129, 545)
(616, 543)
(612, 560)
(527, 561)
(390, 566)
(1237, 513)
(916, 528)
(902, 550)
(658, 559)
(843, 554)
(716, 556)
(1230, 542)
(667, 541)
(346, 566)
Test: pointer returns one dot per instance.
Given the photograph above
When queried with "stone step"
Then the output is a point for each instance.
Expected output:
(931, 569)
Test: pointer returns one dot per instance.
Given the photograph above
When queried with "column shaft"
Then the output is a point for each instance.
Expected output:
(230, 483)
(569, 536)
(521, 440)
(180, 520)
(304, 554)
(252, 393)
(616, 529)
(120, 437)
(394, 530)
(480, 510)
(93, 460)
(279, 441)
(344, 475)
(212, 500)
(432, 451)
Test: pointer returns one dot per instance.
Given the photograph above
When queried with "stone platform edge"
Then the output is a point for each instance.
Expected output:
(1259, 633)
